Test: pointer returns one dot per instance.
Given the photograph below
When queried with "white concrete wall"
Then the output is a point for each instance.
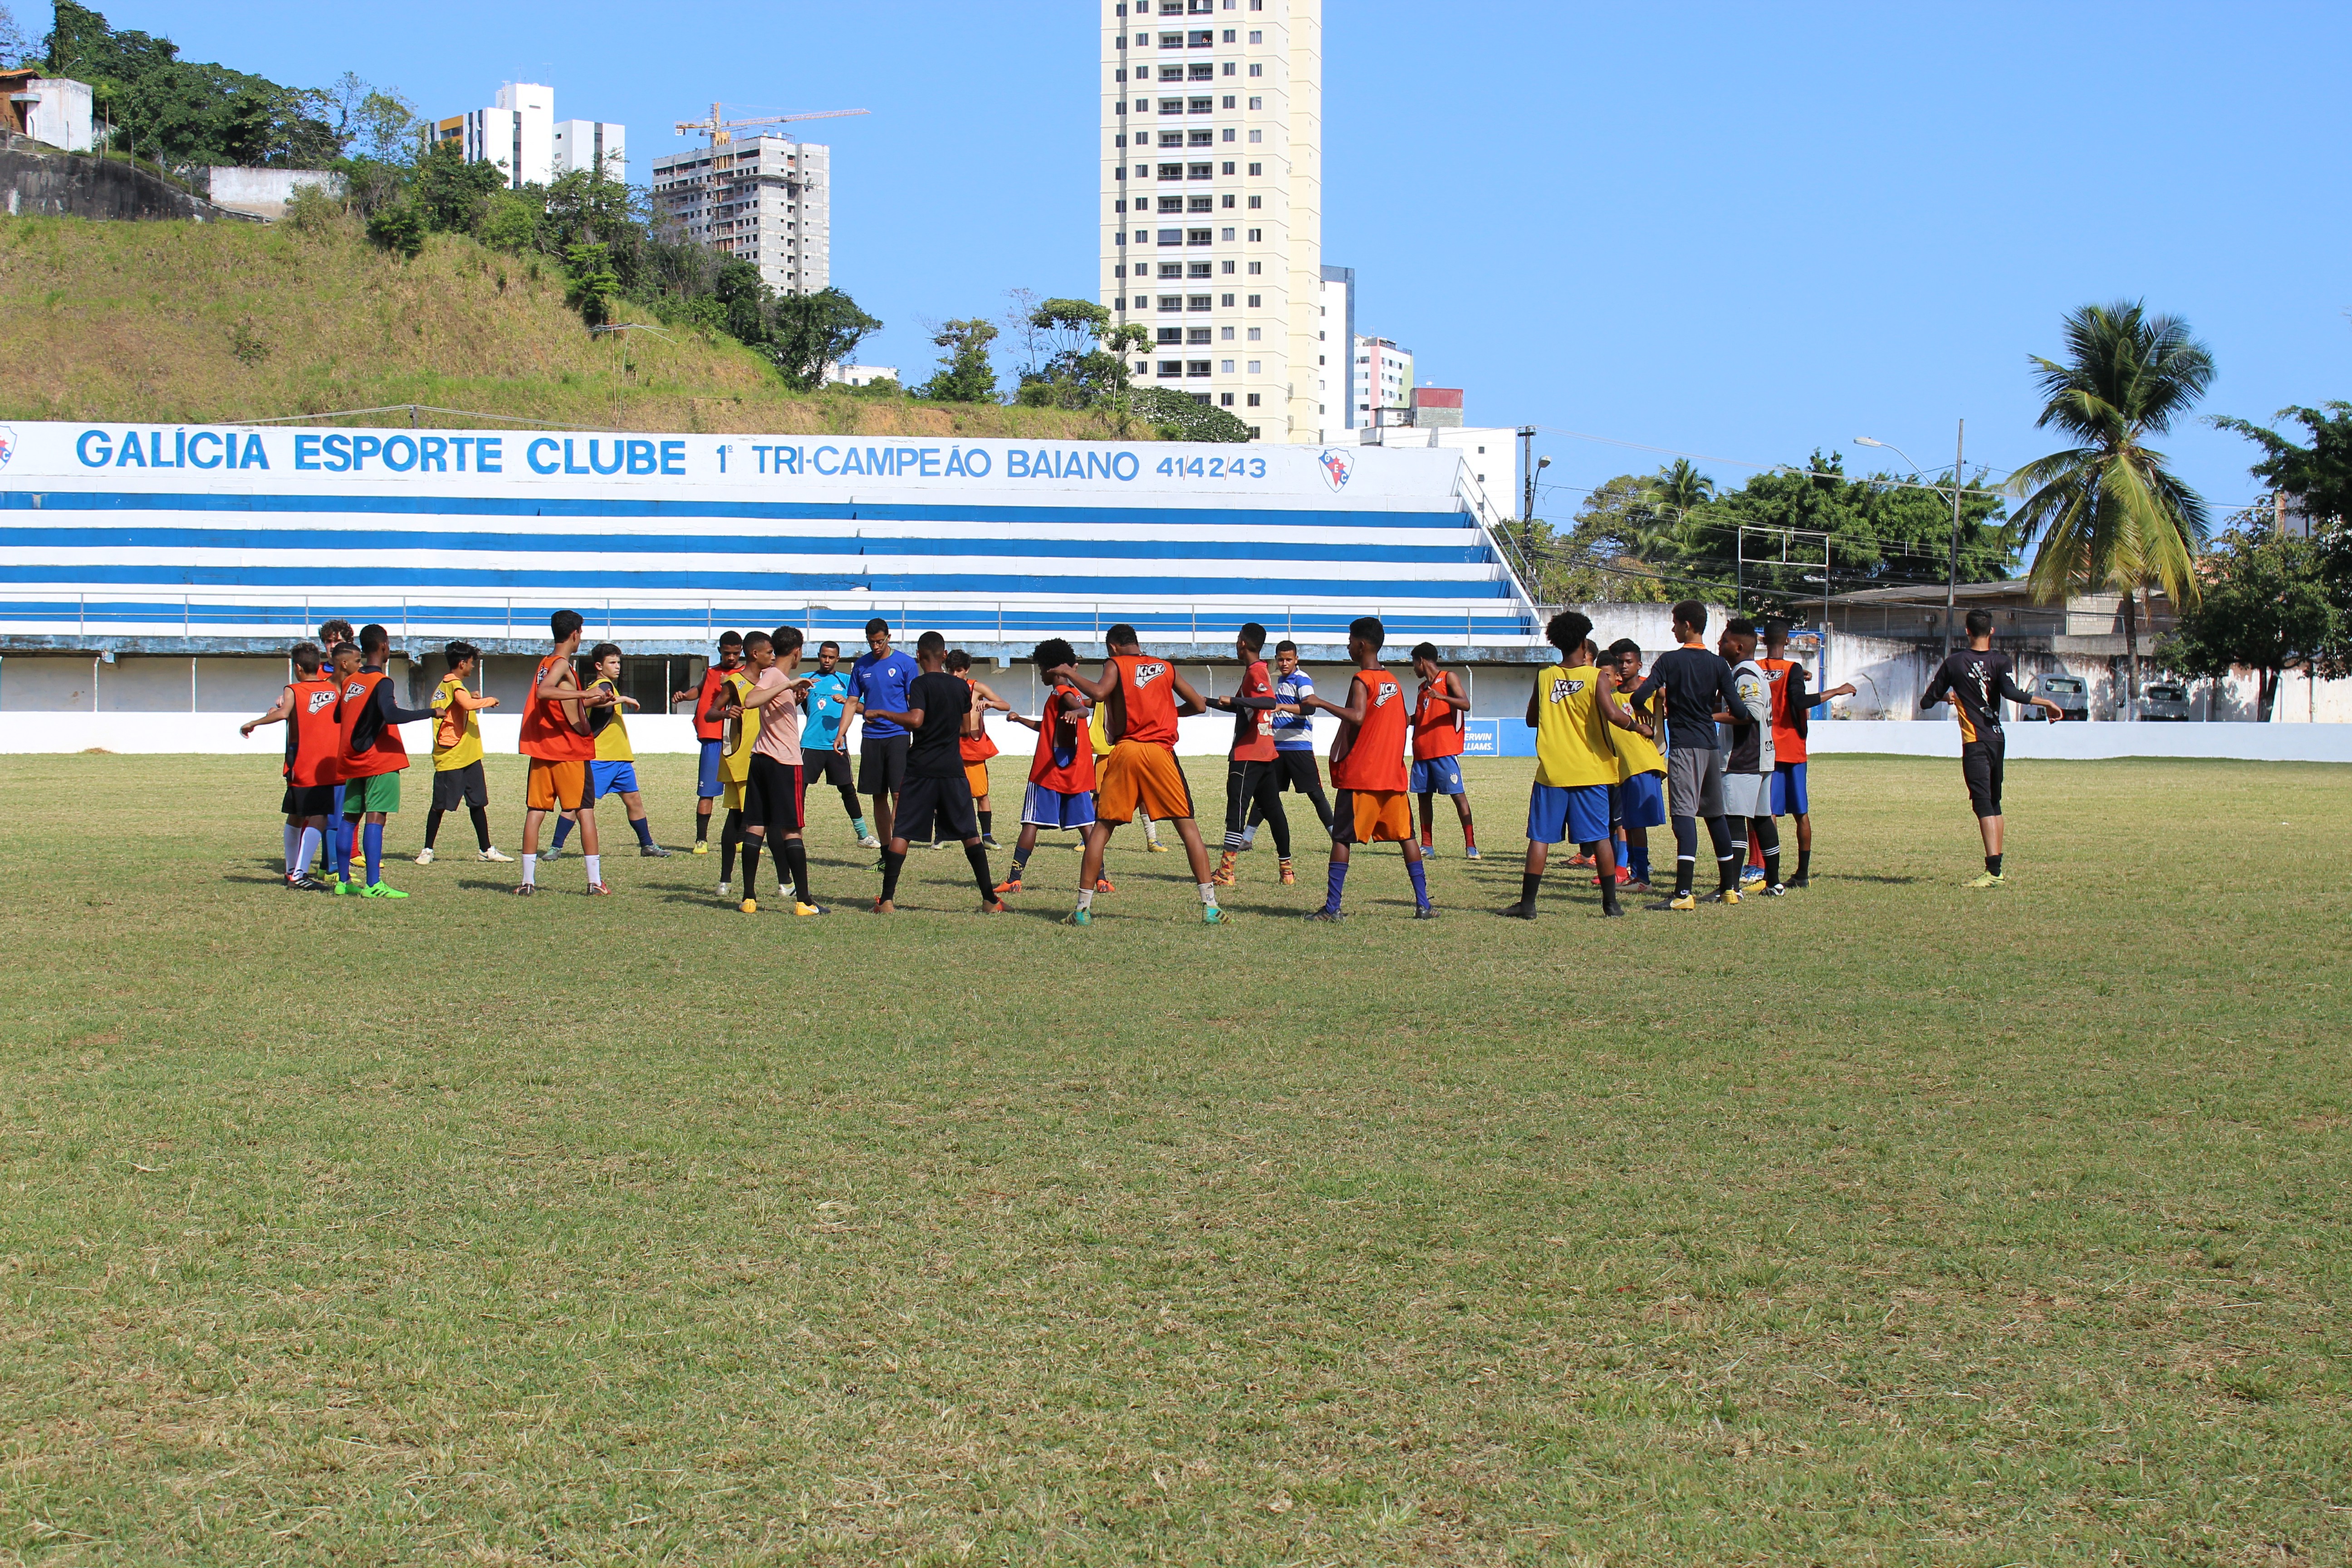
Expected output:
(265, 192)
(2086, 742)
(62, 118)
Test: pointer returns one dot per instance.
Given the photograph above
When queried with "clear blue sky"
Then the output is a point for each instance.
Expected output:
(1740, 230)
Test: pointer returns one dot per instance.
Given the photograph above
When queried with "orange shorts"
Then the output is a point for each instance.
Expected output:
(1139, 773)
(976, 775)
(1371, 816)
(556, 786)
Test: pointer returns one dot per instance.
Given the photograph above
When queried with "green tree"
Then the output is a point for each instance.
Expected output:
(400, 229)
(2110, 515)
(2318, 478)
(454, 194)
(181, 113)
(964, 374)
(591, 286)
(2265, 607)
(1179, 416)
(809, 332)
(1883, 531)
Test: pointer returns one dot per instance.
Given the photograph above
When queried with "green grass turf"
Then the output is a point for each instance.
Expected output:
(1887, 1222)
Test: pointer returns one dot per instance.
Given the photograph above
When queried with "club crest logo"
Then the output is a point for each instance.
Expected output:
(1145, 674)
(1337, 467)
(7, 444)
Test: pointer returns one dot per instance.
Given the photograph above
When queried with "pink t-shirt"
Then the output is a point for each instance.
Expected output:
(780, 718)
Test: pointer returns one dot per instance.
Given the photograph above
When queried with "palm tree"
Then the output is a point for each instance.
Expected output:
(2110, 515)
(1675, 495)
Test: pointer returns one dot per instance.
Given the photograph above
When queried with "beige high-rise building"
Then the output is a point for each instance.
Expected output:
(1212, 205)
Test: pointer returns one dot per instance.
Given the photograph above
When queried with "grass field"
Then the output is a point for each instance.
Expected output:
(1884, 1224)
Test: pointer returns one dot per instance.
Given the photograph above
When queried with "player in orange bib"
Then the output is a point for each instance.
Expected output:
(313, 759)
(1146, 698)
(973, 746)
(1437, 725)
(557, 739)
(1368, 770)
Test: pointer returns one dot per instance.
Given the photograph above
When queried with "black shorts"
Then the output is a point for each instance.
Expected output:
(1981, 765)
(827, 766)
(1249, 784)
(882, 764)
(309, 800)
(460, 787)
(771, 797)
(1297, 772)
(945, 802)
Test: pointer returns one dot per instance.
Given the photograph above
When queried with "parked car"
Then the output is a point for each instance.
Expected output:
(2166, 700)
(2072, 694)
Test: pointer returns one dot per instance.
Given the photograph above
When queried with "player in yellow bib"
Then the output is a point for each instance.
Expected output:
(740, 730)
(1642, 768)
(1571, 710)
(613, 769)
(457, 753)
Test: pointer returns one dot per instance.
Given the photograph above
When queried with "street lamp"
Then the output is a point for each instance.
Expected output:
(1952, 579)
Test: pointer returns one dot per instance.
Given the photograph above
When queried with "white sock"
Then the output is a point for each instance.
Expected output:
(1209, 894)
(595, 868)
(307, 846)
(1086, 898)
(293, 841)
(529, 869)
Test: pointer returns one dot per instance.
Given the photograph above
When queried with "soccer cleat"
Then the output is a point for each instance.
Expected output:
(1289, 874)
(1750, 875)
(1799, 880)
(1990, 879)
(425, 856)
(1470, 852)
(1522, 911)
(599, 889)
(1579, 859)
(988, 841)
(1683, 901)
(749, 906)
(1102, 885)
(525, 890)
(1424, 913)
(702, 847)
(379, 891)
(993, 907)
(1010, 885)
(1212, 916)
(1777, 890)
(885, 906)
(652, 852)
(553, 852)
(1636, 886)
(1428, 849)
(1079, 918)
(346, 888)
(1155, 847)
(869, 842)
(806, 909)
(303, 882)
(495, 854)
(1327, 913)
(1613, 911)
(1723, 896)
(722, 889)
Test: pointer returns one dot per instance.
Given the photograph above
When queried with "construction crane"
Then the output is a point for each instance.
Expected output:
(721, 131)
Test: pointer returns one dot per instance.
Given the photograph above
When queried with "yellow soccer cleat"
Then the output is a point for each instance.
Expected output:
(1684, 901)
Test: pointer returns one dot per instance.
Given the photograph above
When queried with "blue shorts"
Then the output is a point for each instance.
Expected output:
(1045, 808)
(1575, 815)
(1642, 801)
(1789, 789)
(1438, 776)
(605, 778)
(706, 780)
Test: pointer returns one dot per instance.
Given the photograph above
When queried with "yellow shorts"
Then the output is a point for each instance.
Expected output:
(1371, 816)
(1139, 773)
(556, 786)
(976, 775)
(730, 796)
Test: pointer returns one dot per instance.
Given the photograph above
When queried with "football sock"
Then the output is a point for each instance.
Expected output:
(343, 846)
(1339, 880)
(481, 815)
(433, 825)
(1085, 898)
(795, 854)
(308, 846)
(1766, 838)
(751, 842)
(1019, 860)
(856, 813)
(703, 827)
(529, 869)
(977, 854)
(892, 860)
(372, 838)
(1419, 875)
(1639, 858)
(1426, 842)
(595, 868)
(1209, 894)
(988, 824)
(1528, 883)
(293, 836)
(858, 825)
(1754, 849)
(726, 860)
(645, 827)
(1804, 864)
(1686, 853)
(1469, 836)
(1993, 864)
(1728, 852)
(564, 826)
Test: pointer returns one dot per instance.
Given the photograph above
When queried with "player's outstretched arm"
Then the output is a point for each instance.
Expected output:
(279, 713)
(1099, 688)
(2056, 713)
(1355, 715)
(1616, 713)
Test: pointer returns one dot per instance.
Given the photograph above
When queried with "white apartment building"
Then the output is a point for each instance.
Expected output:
(1383, 378)
(1212, 205)
(761, 199)
(519, 133)
(1334, 376)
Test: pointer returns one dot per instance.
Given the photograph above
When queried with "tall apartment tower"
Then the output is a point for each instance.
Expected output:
(1212, 205)
(762, 199)
(520, 134)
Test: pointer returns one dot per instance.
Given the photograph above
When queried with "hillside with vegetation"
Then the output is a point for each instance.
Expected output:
(184, 323)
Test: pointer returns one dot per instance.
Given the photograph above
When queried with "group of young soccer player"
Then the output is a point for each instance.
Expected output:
(1709, 735)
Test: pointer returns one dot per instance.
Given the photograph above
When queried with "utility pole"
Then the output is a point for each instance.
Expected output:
(1952, 582)
(1528, 488)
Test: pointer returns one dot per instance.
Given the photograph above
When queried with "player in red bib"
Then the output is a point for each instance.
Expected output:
(1368, 770)
(709, 734)
(557, 739)
(1790, 704)
(1437, 726)
(313, 751)
(372, 753)
(1061, 792)
(1250, 776)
